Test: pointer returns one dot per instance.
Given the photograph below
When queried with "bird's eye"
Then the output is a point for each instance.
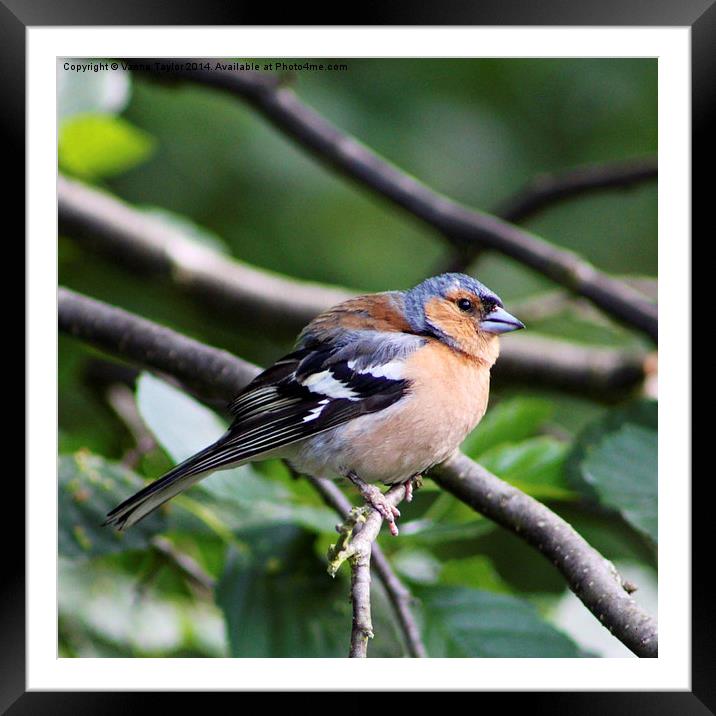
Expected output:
(465, 305)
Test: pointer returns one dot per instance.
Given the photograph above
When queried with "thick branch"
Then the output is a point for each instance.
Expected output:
(459, 224)
(604, 373)
(250, 296)
(153, 346)
(599, 588)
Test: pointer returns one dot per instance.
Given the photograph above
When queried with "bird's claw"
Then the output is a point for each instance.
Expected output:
(411, 485)
(377, 500)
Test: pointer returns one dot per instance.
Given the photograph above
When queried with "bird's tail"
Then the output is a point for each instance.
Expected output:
(158, 492)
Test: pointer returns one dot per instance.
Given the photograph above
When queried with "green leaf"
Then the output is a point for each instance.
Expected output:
(615, 461)
(104, 611)
(89, 488)
(429, 533)
(182, 425)
(93, 146)
(279, 601)
(509, 421)
(417, 565)
(477, 572)
(536, 466)
(84, 421)
(463, 622)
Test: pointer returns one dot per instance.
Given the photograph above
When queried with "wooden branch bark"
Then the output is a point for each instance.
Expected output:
(546, 190)
(602, 373)
(357, 540)
(135, 239)
(249, 296)
(457, 223)
(599, 587)
(399, 596)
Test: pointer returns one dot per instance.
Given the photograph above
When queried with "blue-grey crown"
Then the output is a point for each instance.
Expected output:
(440, 286)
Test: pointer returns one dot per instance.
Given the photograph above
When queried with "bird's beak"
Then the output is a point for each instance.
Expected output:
(499, 321)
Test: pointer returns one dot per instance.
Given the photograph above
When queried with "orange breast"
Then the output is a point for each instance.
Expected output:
(448, 398)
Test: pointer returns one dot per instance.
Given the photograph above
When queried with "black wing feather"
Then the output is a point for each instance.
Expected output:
(271, 413)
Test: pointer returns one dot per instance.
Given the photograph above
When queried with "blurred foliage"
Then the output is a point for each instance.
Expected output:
(476, 130)
(279, 601)
(89, 488)
(470, 622)
(93, 146)
(624, 442)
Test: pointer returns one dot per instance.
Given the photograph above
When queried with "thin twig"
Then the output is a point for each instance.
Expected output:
(357, 540)
(398, 593)
(122, 401)
(186, 564)
(256, 298)
(599, 587)
(548, 189)
(457, 223)
(362, 626)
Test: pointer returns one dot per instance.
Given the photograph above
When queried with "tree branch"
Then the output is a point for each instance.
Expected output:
(355, 544)
(153, 346)
(548, 189)
(603, 373)
(459, 224)
(399, 596)
(186, 564)
(136, 239)
(545, 190)
(599, 587)
(258, 298)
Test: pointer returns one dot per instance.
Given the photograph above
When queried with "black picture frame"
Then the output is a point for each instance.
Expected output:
(17, 15)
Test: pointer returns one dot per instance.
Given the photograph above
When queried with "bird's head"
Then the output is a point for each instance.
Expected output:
(461, 312)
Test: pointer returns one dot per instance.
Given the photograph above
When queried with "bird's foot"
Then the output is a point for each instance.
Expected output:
(414, 483)
(376, 499)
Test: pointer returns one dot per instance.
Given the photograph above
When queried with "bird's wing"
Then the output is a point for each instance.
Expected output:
(312, 390)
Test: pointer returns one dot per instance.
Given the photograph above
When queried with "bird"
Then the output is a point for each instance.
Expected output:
(378, 389)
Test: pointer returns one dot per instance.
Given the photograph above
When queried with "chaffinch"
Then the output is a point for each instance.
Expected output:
(378, 389)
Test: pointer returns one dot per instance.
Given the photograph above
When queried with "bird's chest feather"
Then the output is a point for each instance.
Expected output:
(448, 397)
